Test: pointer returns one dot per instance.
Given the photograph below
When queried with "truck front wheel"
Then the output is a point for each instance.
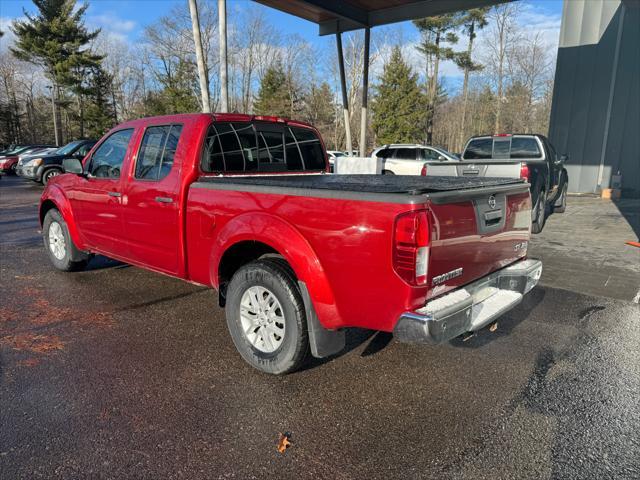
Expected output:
(62, 251)
(266, 316)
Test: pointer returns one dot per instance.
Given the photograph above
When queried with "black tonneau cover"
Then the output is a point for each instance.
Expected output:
(404, 184)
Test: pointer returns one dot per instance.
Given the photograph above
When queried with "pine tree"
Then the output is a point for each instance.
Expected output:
(398, 103)
(99, 110)
(273, 95)
(56, 39)
(320, 109)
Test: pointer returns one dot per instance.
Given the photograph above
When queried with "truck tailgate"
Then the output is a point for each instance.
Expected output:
(480, 168)
(474, 233)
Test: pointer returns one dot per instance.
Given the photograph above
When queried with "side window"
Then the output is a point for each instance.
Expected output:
(479, 149)
(405, 154)
(384, 153)
(428, 154)
(83, 150)
(170, 148)
(310, 147)
(157, 150)
(106, 161)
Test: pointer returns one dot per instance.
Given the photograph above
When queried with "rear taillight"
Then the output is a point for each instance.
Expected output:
(423, 172)
(411, 247)
(524, 171)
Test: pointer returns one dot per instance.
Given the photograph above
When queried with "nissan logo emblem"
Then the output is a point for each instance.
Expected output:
(492, 202)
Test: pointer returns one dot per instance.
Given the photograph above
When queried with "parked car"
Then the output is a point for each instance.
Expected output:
(9, 161)
(242, 204)
(530, 157)
(409, 159)
(42, 168)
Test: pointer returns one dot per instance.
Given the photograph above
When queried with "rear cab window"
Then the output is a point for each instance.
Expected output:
(261, 147)
(502, 148)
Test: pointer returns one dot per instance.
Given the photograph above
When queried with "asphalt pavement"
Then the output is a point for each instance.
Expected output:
(116, 372)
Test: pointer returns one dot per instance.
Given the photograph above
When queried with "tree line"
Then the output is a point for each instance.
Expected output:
(93, 80)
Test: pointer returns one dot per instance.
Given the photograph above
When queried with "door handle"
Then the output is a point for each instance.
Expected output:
(164, 199)
(115, 194)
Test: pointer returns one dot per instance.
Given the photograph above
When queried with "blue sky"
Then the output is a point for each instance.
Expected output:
(126, 20)
(129, 17)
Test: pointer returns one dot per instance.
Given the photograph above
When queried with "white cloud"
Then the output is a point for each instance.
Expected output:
(110, 22)
(112, 26)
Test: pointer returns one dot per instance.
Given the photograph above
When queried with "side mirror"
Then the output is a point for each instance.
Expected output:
(72, 165)
(441, 158)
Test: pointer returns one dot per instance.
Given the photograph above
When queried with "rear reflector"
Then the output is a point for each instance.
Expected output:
(411, 247)
(423, 172)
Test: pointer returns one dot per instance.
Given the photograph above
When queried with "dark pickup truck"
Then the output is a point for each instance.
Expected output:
(530, 157)
(243, 204)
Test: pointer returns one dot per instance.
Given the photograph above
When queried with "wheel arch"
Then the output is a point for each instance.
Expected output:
(53, 198)
(254, 235)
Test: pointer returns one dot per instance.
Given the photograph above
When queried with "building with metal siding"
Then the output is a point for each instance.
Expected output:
(595, 115)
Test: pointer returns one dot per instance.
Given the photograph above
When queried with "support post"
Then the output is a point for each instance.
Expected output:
(345, 99)
(222, 29)
(365, 91)
(202, 69)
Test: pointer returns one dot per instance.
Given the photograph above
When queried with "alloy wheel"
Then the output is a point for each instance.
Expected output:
(262, 319)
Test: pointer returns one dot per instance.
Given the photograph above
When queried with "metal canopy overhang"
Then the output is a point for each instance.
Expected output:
(336, 16)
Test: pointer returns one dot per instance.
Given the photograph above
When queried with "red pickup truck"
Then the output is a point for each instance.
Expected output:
(244, 204)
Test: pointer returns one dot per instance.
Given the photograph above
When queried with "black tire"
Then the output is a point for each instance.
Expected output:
(539, 211)
(72, 259)
(49, 174)
(275, 275)
(561, 203)
(13, 169)
(387, 172)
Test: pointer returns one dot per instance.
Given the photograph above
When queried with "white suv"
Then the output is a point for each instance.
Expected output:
(408, 159)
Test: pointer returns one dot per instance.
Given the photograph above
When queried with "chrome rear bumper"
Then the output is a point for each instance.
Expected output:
(471, 307)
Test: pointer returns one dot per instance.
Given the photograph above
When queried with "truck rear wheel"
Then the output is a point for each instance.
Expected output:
(266, 317)
(539, 212)
(62, 251)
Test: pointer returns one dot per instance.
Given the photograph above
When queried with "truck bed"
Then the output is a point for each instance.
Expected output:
(391, 184)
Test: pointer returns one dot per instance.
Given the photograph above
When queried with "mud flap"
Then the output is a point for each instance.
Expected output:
(323, 342)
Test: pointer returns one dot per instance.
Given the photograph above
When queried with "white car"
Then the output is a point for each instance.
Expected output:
(409, 159)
